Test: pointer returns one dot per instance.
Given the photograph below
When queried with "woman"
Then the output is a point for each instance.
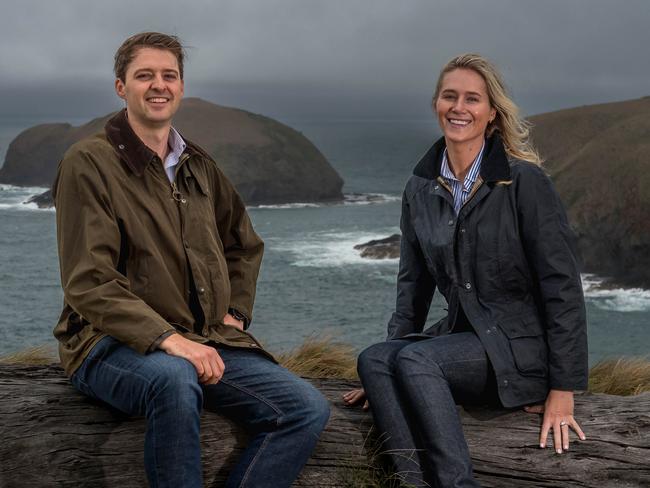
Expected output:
(482, 223)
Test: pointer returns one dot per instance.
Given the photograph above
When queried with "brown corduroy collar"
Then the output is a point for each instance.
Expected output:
(135, 153)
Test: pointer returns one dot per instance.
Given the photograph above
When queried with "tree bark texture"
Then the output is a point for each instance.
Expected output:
(54, 436)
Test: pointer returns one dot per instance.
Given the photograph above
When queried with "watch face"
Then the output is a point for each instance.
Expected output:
(237, 315)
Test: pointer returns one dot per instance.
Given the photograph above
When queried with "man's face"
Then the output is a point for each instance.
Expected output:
(152, 88)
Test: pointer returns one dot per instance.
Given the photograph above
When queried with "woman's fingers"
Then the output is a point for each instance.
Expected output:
(564, 430)
(354, 396)
(534, 408)
(576, 427)
(561, 433)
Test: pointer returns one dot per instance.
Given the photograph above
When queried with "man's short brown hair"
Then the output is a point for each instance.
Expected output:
(156, 40)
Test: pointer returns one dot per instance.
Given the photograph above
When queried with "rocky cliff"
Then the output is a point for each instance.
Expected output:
(599, 158)
(267, 161)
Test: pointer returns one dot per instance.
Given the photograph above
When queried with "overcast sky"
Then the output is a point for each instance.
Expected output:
(328, 58)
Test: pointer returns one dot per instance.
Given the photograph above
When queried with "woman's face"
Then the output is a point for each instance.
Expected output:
(463, 107)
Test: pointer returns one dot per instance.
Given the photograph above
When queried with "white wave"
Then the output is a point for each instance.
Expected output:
(348, 199)
(25, 206)
(36, 190)
(369, 198)
(614, 299)
(16, 197)
(332, 249)
(289, 205)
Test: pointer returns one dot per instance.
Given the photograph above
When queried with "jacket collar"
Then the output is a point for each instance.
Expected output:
(494, 166)
(135, 153)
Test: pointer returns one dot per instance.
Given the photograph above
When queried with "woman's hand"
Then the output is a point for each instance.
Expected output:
(558, 415)
(355, 396)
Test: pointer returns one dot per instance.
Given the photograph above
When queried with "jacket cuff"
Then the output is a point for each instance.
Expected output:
(156, 344)
(240, 313)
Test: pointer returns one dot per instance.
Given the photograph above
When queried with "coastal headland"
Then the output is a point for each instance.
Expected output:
(597, 156)
(267, 161)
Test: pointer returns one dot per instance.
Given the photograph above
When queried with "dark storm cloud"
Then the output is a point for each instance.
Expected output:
(317, 58)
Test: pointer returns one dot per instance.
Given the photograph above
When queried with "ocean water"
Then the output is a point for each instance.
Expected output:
(312, 281)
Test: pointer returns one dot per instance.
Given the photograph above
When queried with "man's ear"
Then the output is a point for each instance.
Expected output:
(119, 89)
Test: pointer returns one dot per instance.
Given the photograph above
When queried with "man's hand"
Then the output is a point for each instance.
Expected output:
(558, 415)
(230, 320)
(205, 359)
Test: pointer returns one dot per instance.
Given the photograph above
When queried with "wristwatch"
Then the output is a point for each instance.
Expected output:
(239, 316)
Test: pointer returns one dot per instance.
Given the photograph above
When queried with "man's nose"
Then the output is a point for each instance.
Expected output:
(158, 83)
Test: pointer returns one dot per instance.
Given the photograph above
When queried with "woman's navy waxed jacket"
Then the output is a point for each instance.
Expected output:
(508, 259)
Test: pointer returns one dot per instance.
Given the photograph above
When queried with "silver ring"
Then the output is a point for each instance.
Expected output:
(562, 423)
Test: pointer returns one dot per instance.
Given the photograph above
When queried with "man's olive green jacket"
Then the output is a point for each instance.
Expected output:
(142, 258)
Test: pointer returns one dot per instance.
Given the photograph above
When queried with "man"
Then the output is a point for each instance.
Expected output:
(159, 262)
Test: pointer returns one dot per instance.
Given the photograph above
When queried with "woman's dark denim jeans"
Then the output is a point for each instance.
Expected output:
(413, 386)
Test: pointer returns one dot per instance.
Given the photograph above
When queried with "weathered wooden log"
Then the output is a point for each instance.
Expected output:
(54, 436)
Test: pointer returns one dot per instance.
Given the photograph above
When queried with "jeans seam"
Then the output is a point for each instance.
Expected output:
(122, 370)
(255, 395)
(254, 460)
(445, 363)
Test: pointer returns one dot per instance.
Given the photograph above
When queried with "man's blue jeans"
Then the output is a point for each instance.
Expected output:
(283, 413)
(412, 387)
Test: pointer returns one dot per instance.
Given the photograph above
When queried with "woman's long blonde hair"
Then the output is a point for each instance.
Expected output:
(514, 131)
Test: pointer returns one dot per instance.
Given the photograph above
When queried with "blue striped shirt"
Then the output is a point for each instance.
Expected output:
(461, 191)
(177, 146)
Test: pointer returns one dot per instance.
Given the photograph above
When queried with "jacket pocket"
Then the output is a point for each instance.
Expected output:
(527, 344)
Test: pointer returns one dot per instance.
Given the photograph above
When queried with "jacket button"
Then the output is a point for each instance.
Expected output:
(121, 146)
(505, 382)
(436, 187)
(201, 291)
(462, 230)
(489, 331)
(451, 222)
(468, 286)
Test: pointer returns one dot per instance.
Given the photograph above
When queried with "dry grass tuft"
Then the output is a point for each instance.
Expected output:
(321, 357)
(44, 354)
(624, 376)
(324, 357)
